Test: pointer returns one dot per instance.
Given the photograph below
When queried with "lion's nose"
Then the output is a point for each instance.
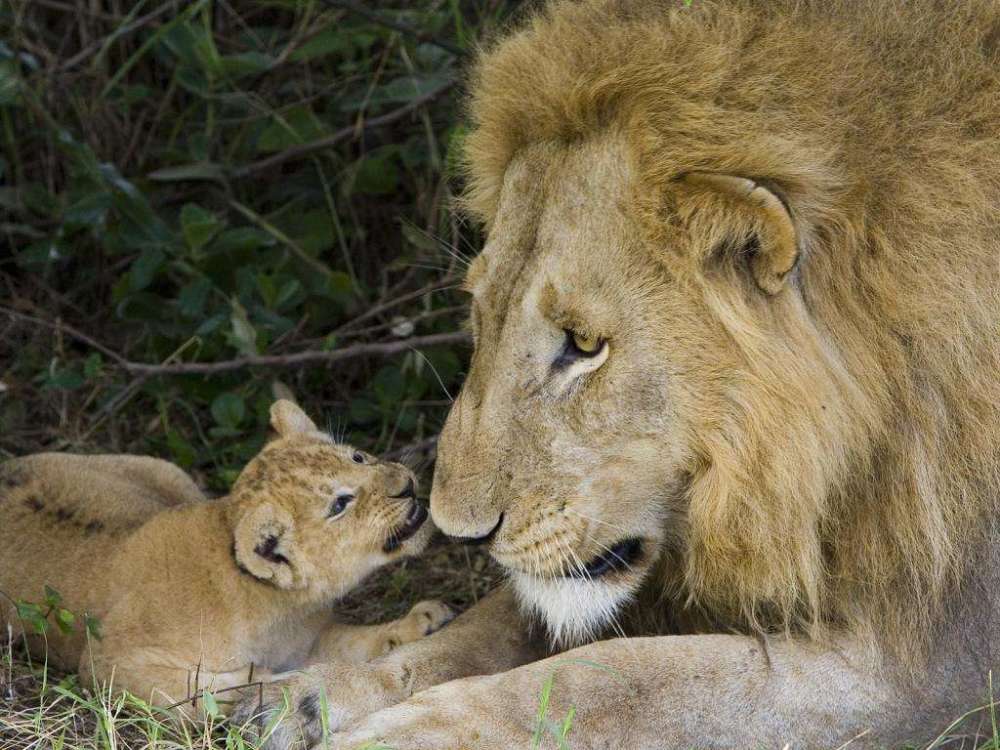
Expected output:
(481, 538)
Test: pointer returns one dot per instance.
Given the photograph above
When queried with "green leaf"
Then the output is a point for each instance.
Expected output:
(28, 610)
(145, 267)
(40, 200)
(211, 705)
(362, 411)
(194, 47)
(193, 296)
(267, 288)
(241, 238)
(31, 614)
(289, 290)
(229, 476)
(199, 146)
(397, 91)
(198, 225)
(337, 286)
(377, 174)
(228, 410)
(298, 125)
(313, 231)
(52, 597)
(90, 210)
(93, 626)
(205, 170)
(245, 64)
(389, 385)
(330, 41)
(65, 620)
(181, 450)
(41, 253)
(63, 379)
(244, 335)
(92, 366)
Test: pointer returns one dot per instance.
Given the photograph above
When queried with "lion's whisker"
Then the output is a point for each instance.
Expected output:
(592, 519)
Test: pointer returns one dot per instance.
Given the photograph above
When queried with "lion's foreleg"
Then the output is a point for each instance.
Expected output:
(712, 691)
(490, 637)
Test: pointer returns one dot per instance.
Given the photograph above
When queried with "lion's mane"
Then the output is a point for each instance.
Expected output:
(882, 123)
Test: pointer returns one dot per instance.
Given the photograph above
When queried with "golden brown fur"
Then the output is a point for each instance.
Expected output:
(194, 594)
(867, 517)
(736, 324)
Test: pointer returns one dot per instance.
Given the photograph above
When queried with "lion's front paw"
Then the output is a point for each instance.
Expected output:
(319, 699)
(281, 715)
(472, 714)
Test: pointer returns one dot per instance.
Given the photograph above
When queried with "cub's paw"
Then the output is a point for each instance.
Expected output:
(429, 616)
(423, 619)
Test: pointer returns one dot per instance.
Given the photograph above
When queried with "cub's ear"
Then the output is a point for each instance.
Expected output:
(762, 214)
(287, 418)
(264, 546)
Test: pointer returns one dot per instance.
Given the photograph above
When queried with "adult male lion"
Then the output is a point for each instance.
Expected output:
(735, 383)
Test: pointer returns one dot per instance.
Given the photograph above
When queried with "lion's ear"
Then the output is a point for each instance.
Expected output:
(264, 546)
(287, 418)
(776, 245)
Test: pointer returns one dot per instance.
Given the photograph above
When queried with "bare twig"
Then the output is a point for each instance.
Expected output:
(402, 28)
(396, 301)
(294, 359)
(74, 333)
(426, 447)
(128, 28)
(305, 149)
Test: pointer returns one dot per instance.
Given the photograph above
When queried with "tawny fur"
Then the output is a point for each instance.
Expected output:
(193, 594)
(855, 466)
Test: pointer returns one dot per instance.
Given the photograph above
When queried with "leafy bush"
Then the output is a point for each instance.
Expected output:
(221, 183)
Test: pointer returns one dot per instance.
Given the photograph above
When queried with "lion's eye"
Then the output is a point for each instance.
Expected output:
(358, 457)
(587, 344)
(583, 345)
(339, 505)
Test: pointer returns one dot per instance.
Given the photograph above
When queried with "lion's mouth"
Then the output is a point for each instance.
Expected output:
(620, 556)
(411, 525)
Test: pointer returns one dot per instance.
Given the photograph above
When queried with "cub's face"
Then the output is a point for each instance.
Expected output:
(317, 515)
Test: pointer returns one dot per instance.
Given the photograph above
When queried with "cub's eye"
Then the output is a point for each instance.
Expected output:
(358, 457)
(339, 505)
(583, 345)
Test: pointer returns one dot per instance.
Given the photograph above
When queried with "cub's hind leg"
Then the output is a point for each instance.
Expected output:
(361, 643)
(166, 483)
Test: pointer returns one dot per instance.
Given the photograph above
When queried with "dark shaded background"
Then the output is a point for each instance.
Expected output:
(186, 184)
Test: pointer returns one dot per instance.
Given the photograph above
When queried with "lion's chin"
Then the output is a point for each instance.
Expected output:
(575, 610)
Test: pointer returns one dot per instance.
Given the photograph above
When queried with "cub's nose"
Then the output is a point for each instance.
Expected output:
(409, 491)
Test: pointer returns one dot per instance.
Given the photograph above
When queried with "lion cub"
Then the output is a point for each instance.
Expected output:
(207, 595)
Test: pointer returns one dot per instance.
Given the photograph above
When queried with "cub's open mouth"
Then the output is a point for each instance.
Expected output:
(620, 556)
(411, 524)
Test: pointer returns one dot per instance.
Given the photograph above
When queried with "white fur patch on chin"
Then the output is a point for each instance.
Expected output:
(574, 610)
